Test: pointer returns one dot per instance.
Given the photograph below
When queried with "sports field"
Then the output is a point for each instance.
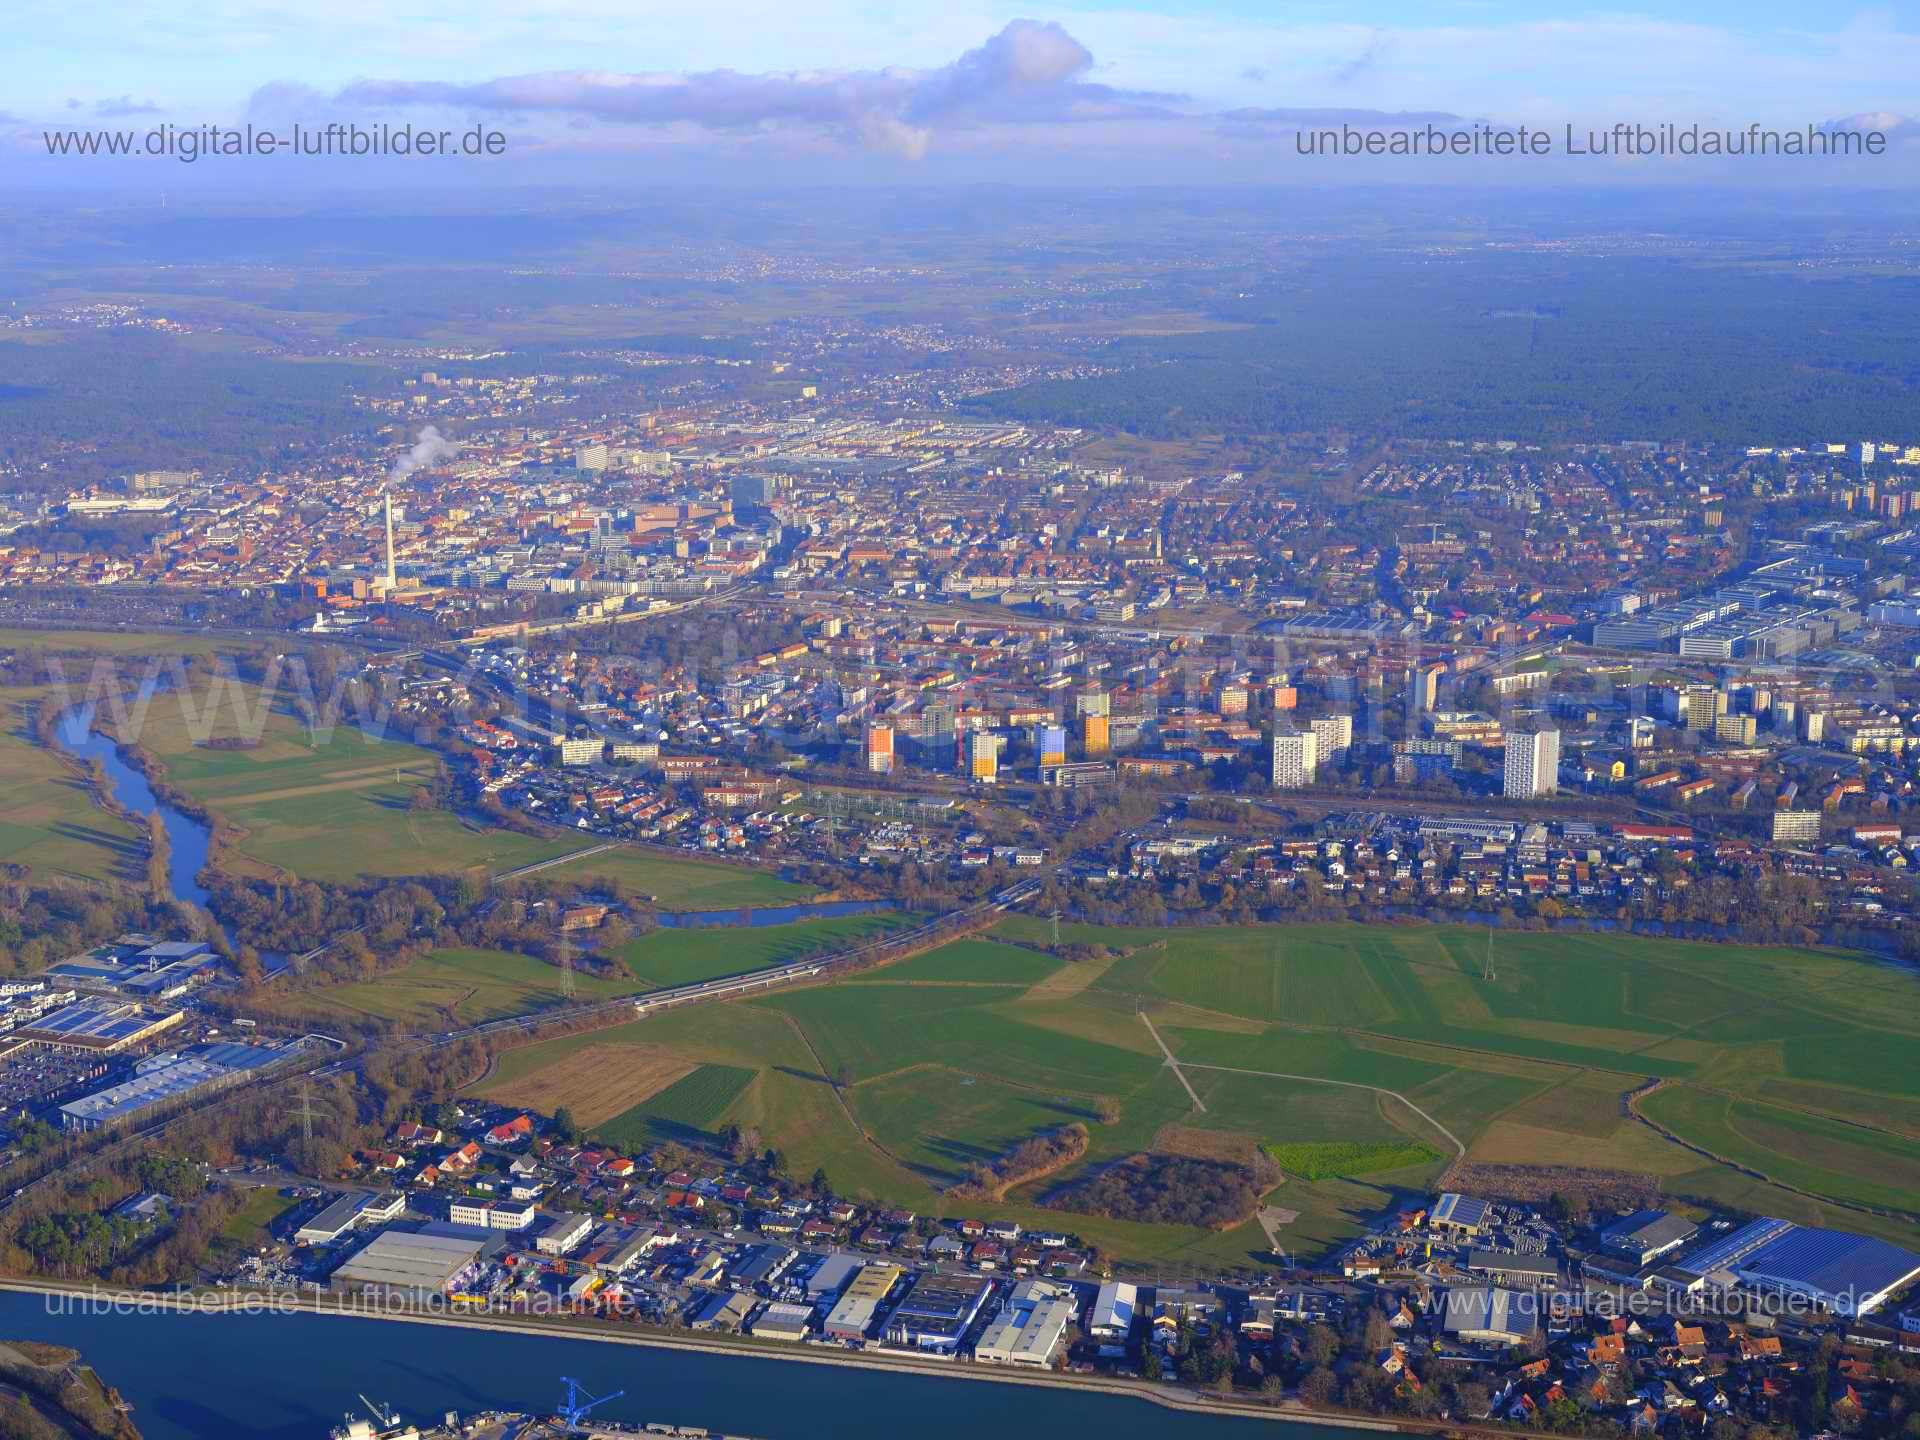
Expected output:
(896, 1080)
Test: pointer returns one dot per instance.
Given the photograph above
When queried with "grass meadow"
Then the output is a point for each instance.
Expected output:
(1798, 1064)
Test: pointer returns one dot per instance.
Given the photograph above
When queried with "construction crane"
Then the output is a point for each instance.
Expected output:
(573, 1412)
(381, 1413)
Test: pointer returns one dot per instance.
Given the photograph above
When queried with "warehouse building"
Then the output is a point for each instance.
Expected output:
(404, 1266)
(348, 1212)
(1645, 1235)
(1849, 1275)
(331, 1223)
(1028, 1330)
(874, 1281)
(1114, 1310)
(1519, 1271)
(1489, 1315)
(628, 1252)
(783, 1322)
(831, 1275)
(765, 1264)
(164, 1079)
(937, 1312)
(1725, 1253)
(99, 1026)
(851, 1319)
(724, 1313)
(1465, 1213)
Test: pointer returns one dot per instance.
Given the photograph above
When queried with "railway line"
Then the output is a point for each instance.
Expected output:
(729, 986)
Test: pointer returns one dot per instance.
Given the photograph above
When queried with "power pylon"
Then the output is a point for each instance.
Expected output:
(1488, 973)
(566, 964)
(305, 1112)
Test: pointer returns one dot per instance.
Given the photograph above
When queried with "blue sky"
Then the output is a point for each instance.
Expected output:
(970, 87)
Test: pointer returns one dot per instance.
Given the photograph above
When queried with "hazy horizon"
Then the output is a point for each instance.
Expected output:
(741, 94)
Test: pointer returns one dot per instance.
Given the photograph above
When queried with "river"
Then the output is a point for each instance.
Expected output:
(289, 1377)
(189, 839)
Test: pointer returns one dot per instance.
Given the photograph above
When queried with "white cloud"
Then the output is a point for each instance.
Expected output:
(1029, 72)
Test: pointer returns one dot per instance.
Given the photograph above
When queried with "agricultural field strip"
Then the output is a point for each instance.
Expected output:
(1240, 1024)
(1452, 1139)
(1827, 1116)
(1573, 1068)
(1699, 1138)
(937, 984)
(865, 1134)
(1001, 1080)
(380, 775)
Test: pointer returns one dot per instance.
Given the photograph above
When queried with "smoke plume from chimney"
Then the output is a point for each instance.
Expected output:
(430, 446)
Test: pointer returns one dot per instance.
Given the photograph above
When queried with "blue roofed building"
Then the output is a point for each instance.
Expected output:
(1849, 1275)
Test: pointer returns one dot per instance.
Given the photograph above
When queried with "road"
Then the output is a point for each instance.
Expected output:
(537, 866)
(557, 627)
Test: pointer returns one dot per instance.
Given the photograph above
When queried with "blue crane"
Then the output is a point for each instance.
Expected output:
(572, 1412)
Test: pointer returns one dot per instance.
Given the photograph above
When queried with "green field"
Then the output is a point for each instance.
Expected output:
(689, 883)
(330, 806)
(984, 962)
(462, 986)
(691, 1107)
(85, 643)
(335, 805)
(1849, 1162)
(48, 818)
(953, 1057)
(1326, 1159)
(250, 1224)
(459, 986)
(670, 956)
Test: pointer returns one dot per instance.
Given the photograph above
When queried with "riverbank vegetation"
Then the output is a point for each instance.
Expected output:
(52, 1395)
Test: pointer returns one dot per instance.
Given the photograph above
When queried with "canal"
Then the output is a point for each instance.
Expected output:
(291, 1377)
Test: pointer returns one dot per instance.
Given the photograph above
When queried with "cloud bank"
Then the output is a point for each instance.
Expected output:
(1031, 71)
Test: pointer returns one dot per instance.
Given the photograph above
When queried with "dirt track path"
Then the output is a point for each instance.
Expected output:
(1199, 1105)
(1452, 1139)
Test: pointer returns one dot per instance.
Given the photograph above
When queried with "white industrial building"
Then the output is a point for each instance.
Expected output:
(1028, 1330)
(564, 1235)
(1114, 1310)
(495, 1215)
